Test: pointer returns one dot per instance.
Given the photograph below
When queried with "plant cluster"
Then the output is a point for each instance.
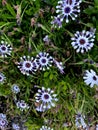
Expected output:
(48, 65)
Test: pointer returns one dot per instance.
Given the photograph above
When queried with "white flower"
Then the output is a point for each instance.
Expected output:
(59, 66)
(15, 126)
(3, 116)
(15, 88)
(5, 49)
(27, 65)
(56, 22)
(22, 105)
(96, 126)
(83, 41)
(2, 78)
(46, 99)
(44, 61)
(40, 108)
(45, 128)
(66, 9)
(3, 121)
(46, 39)
(90, 78)
(79, 121)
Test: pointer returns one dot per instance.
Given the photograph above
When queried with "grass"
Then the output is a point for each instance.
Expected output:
(23, 25)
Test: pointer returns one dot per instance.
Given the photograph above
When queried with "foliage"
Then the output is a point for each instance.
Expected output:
(23, 25)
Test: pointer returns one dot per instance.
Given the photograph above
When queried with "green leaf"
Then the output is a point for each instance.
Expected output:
(11, 10)
(51, 76)
(46, 74)
(90, 10)
(96, 2)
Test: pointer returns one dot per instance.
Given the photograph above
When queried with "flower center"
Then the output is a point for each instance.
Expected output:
(3, 48)
(43, 60)
(23, 104)
(0, 78)
(67, 10)
(16, 87)
(3, 122)
(46, 96)
(82, 41)
(94, 78)
(28, 65)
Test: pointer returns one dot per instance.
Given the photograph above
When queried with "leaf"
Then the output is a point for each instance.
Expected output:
(44, 28)
(96, 2)
(11, 10)
(51, 76)
(46, 74)
(6, 24)
(90, 10)
(2, 23)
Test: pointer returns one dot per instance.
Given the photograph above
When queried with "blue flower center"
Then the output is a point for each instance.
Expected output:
(94, 78)
(3, 48)
(0, 78)
(43, 60)
(67, 10)
(82, 41)
(46, 96)
(23, 104)
(28, 65)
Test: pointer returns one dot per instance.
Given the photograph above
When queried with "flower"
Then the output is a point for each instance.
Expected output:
(5, 49)
(15, 88)
(3, 116)
(3, 121)
(27, 65)
(90, 78)
(79, 121)
(59, 66)
(68, 8)
(46, 39)
(56, 22)
(83, 41)
(44, 61)
(45, 128)
(45, 98)
(15, 126)
(96, 126)
(22, 105)
(40, 108)
(2, 78)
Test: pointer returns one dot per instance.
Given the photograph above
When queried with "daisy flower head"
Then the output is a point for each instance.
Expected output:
(44, 60)
(3, 116)
(45, 128)
(96, 126)
(2, 78)
(46, 98)
(27, 65)
(15, 88)
(91, 78)
(68, 9)
(83, 41)
(3, 121)
(15, 126)
(56, 22)
(39, 107)
(80, 121)
(46, 39)
(5, 49)
(59, 66)
(22, 105)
